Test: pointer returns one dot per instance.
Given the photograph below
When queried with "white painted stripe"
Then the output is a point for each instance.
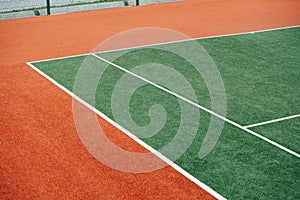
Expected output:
(172, 42)
(59, 58)
(135, 138)
(200, 107)
(199, 38)
(273, 121)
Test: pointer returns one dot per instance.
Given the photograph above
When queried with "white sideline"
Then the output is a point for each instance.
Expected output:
(200, 107)
(171, 42)
(132, 136)
(272, 121)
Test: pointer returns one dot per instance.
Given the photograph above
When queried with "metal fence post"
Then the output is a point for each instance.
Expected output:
(48, 7)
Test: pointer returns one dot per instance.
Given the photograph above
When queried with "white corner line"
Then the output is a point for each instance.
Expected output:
(132, 136)
(199, 106)
(272, 121)
(170, 42)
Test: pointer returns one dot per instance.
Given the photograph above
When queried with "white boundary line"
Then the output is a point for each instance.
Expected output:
(132, 136)
(171, 42)
(272, 121)
(200, 107)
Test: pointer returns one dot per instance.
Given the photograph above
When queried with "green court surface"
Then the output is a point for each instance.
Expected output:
(286, 132)
(260, 73)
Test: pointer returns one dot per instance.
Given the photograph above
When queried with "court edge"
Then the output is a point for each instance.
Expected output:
(171, 42)
(132, 136)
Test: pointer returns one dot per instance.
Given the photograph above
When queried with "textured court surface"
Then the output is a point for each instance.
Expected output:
(42, 156)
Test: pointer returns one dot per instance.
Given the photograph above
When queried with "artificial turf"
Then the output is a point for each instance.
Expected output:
(285, 132)
(260, 74)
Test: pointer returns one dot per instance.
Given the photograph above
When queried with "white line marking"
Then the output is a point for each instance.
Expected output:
(132, 136)
(272, 121)
(60, 58)
(172, 42)
(200, 107)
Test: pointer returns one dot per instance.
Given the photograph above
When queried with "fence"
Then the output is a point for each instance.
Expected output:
(10, 9)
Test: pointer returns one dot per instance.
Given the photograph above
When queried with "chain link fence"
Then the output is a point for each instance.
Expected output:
(10, 9)
(19, 5)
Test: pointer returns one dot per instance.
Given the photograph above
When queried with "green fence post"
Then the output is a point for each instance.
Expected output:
(137, 2)
(48, 7)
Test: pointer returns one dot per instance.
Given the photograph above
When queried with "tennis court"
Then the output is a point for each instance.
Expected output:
(252, 99)
(194, 99)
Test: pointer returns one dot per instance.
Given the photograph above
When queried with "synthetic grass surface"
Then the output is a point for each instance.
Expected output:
(240, 166)
(260, 72)
(286, 132)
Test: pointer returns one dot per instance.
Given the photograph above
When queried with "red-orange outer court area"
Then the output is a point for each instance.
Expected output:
(42, 156)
